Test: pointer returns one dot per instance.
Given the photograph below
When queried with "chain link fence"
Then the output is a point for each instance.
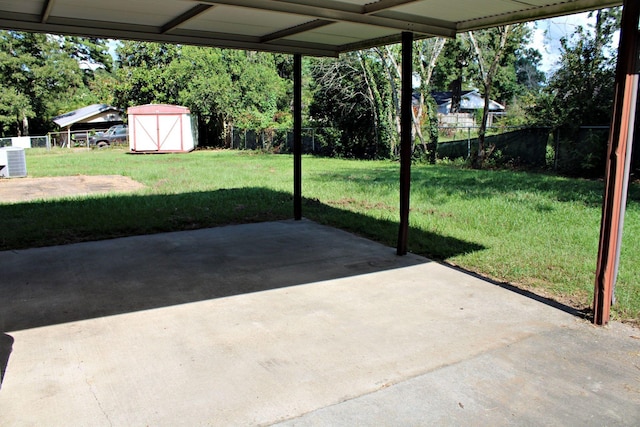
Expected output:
(508, 145)
(41, 141)
(581, 151)
(273, 140)
(531, 147)
(75, 138)
(524, 146)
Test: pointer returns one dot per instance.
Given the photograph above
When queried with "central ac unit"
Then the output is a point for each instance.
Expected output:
(13, 163)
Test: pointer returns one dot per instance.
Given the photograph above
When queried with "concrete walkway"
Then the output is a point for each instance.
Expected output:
(292, 323)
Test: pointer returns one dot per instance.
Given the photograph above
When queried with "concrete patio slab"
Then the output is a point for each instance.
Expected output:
(296, 323)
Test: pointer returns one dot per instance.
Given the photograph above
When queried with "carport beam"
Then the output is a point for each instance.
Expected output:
(405, 140)
(617, 169)
(297, 137)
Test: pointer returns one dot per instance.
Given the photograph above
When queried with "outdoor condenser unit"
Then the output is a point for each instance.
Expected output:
(12, 162)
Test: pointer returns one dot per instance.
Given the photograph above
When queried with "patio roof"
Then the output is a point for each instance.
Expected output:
(308, 27)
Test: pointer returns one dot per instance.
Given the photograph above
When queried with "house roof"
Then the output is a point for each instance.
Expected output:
(86, 114)
(469, 100)
(309, 27)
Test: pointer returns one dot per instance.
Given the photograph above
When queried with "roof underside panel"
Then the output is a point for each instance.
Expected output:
(147, 12)
(464, 10)
(321, 28)
(341, 33)
(251, 22)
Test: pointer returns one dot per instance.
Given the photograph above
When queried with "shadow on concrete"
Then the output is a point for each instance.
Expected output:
(58, 284)
(6, 345)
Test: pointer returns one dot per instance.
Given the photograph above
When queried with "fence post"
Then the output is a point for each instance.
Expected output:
(556, 147)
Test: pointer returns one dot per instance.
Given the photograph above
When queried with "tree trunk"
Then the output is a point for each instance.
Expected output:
(25, 125)
(482, 152)
(374, 99)
(487, 79)
(429, 50)
(386, 56)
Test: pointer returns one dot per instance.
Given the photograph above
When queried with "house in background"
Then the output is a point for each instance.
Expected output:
(470, 102)
(76, 125)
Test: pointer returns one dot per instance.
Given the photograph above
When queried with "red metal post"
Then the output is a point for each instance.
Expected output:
(620, 142)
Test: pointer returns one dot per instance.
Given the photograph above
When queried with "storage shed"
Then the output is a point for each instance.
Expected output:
(160, 128)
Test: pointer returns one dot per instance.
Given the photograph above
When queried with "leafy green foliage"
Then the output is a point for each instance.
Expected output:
(39, 79)
(224, 88)
(455, 62)
(143, 76)
(490, 47)
(528, 74)
(517, 79)
(351, 100)
(580, 94)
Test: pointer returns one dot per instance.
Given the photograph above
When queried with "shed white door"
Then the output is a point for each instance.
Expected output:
(158, 132)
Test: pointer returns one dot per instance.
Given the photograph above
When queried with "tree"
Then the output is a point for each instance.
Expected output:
(14, 108)
(206, 87)
(390, 57)
(494, 43)
(517, 78)
(225, 88)
(580, 93)
(88, 50)
(427, 55)
(350, 104)
(423, 112)
(527, 67)
(358, 96)
(142, 73)
(230, 88)
(454, 66)
(38, 80)
(381, 108)
(102, 86)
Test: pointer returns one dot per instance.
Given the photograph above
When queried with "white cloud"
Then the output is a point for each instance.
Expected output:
(113, 45)
(547, 34)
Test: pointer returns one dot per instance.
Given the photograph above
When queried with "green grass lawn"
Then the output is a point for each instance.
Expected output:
(536, 231)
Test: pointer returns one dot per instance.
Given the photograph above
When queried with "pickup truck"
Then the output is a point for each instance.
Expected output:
(114, 135)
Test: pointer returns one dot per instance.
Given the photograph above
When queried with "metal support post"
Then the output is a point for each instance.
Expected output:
(405, 140)
(297, 136)
(617, 170)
